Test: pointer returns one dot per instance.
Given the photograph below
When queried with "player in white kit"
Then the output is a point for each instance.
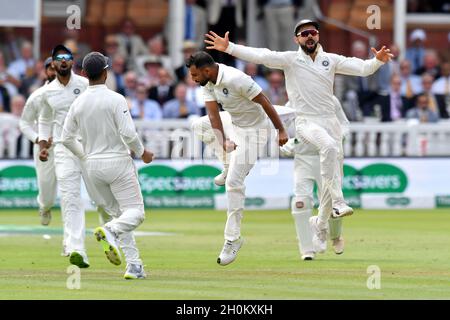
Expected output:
(306, 173)
(309, 76)
(250, 112)
(45, 171)
(102, 119)
(56, 101)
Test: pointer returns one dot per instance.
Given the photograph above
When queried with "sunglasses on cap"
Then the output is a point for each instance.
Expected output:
(308, 32)
(63, 56)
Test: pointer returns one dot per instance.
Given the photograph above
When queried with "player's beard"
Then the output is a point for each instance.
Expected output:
(63, 72)
(309, 50)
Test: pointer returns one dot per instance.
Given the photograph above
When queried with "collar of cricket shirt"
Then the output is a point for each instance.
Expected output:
(72, 76)
(220, 74)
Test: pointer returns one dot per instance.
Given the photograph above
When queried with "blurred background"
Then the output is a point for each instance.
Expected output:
(401, 111)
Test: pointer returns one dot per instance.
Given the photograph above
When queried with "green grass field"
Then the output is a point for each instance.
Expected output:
(410, 247)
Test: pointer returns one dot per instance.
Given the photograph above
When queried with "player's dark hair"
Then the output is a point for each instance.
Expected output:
(200, 59)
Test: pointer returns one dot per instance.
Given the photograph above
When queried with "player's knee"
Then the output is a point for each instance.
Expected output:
(330, 150)
(234, 185)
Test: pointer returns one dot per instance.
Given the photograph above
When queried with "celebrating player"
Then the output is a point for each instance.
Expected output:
(45, 171)
(309, 76)
(102, 119)
(250, 111)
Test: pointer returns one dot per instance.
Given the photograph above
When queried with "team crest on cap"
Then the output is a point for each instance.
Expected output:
(225, 91)
(76, 91)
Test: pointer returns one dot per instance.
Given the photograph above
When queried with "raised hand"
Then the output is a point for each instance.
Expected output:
(382, 55)
(216, 42)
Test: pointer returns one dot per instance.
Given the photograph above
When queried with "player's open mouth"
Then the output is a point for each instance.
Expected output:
(310, 42)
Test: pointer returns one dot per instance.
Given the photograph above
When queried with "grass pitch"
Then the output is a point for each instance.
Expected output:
(409, 247)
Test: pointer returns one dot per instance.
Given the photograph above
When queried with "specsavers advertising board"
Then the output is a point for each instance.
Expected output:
(375, 183)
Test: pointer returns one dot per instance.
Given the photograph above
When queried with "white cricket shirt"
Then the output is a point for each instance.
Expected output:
(30, 114)
(56, 101)
(309, 84)
(234, 90)
(102, 118)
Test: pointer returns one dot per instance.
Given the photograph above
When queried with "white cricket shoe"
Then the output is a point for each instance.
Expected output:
(221, 178)
(108, 241)
(134, 271)
(64, 251)
(338, 245)
(319, 235)
(341, 209)
(229, 251)
(308, 256)
(79, 259)
(46, 216)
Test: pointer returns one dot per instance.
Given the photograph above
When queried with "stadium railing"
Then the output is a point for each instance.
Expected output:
(173, 139)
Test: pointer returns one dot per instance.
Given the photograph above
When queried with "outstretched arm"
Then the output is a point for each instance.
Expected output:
(363, 68)
(271, 59)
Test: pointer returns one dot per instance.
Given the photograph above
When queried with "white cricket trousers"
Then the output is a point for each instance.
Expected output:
(203, 130)
(249, 141)
(325, 135)
(46, 179)
(68, 175)
(117, 190)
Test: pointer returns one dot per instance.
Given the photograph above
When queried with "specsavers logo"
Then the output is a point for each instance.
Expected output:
(18, 187)
(375, 178)
(164, 186)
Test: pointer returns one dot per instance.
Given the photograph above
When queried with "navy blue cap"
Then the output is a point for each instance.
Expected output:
(94, 63)
(47, 62)
(60, 47)
(305, 22)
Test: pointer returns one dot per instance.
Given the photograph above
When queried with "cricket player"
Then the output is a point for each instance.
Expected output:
(250, 111)
(102, 118)
(45, 171)
(309, 76)
(307, 172)
(56, 101)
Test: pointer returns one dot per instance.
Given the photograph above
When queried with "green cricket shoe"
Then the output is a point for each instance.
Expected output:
(109, 244)
(79, 259)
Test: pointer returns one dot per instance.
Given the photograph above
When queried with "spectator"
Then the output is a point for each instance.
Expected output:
(189, 48)
(277, 91)
(157, 47)
(115, 79)
(150, 77)
(251, 69)
(386, 71)
(430, 64)
(442, 85)
(422, 111)
(195, 23)
(10, 45)
(164, 90)
(23, 150)
(7, 89)
(130, 81)
(130, 44)
(73, 37)
(436, 102)
(279, 18)
(144, 108)
(24, 66)
(194, 94)
(179, 107)
(357, 93)
(411, 83)
(393, 105)
(111, 46)
(416, 52)
(225, 16)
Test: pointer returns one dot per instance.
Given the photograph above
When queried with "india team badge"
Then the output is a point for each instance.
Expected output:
(76, 91)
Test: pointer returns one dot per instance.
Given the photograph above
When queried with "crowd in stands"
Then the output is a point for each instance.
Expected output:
(416, 87)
